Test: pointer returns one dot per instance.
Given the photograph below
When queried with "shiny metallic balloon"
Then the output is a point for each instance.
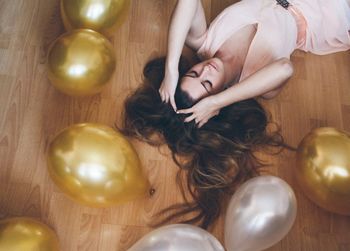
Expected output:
(260, 214)
(81, 62)
(101, 15)
(323, 168)
(26, 234)
(178, 237)
(96, 166)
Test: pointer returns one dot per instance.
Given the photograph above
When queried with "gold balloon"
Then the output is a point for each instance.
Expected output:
(100, 15)
(96, 166)
(26, 234)
(81, 62)
(323, 168)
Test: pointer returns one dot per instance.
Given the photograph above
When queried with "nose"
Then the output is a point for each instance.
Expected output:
(204, 71)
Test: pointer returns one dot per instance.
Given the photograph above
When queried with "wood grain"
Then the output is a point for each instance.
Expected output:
(32, 112)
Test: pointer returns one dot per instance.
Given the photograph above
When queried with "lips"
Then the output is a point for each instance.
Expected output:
(213, 65)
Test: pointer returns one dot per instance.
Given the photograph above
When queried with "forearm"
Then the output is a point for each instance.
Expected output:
(180, 25)
(198, 27)
(263, 81)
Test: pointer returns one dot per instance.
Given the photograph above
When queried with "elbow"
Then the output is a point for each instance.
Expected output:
(286, 67)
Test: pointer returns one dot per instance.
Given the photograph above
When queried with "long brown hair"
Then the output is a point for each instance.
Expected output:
(215, 158)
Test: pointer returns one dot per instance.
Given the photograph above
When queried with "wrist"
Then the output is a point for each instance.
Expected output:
(171, 66)
(171, 73)
(216, 101)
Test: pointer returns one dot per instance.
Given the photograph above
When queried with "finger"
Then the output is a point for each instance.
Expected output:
(185, 111)
(202, 123)
(161, 94)
(190, 118)
(173, 104)
(166, 98)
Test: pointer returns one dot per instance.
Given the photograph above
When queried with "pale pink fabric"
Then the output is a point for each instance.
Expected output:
(280, 31)
(328, 25)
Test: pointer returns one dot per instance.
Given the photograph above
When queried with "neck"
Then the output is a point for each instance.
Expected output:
(234, 51)
(233, 66)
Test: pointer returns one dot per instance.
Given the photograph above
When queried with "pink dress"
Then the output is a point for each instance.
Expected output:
(317, 26)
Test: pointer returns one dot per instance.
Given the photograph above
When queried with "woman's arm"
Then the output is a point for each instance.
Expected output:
(195, 35)
(263, 82)
(187, 24)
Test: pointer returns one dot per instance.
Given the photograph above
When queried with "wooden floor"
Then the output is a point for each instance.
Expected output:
(32, 111)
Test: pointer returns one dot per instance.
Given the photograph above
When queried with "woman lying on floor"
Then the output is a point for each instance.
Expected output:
(219, 126)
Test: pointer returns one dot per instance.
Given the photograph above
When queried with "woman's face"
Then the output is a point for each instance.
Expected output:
(204, 79)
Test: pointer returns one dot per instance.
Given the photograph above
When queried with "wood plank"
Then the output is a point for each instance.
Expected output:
(32, 111)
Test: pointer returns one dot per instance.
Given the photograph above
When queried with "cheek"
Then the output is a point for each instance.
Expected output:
(219, 81)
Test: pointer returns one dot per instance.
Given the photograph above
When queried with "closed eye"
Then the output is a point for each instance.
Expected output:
(192, 74)
(205, 87)
(206, 84)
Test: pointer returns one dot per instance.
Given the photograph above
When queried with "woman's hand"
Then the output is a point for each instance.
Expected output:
(202, 111)
(168, 87)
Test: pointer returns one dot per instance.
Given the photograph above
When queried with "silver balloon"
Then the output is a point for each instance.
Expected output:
(260, 214)
(178, 237)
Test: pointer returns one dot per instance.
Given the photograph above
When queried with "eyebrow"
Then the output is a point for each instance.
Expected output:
(189, 76)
